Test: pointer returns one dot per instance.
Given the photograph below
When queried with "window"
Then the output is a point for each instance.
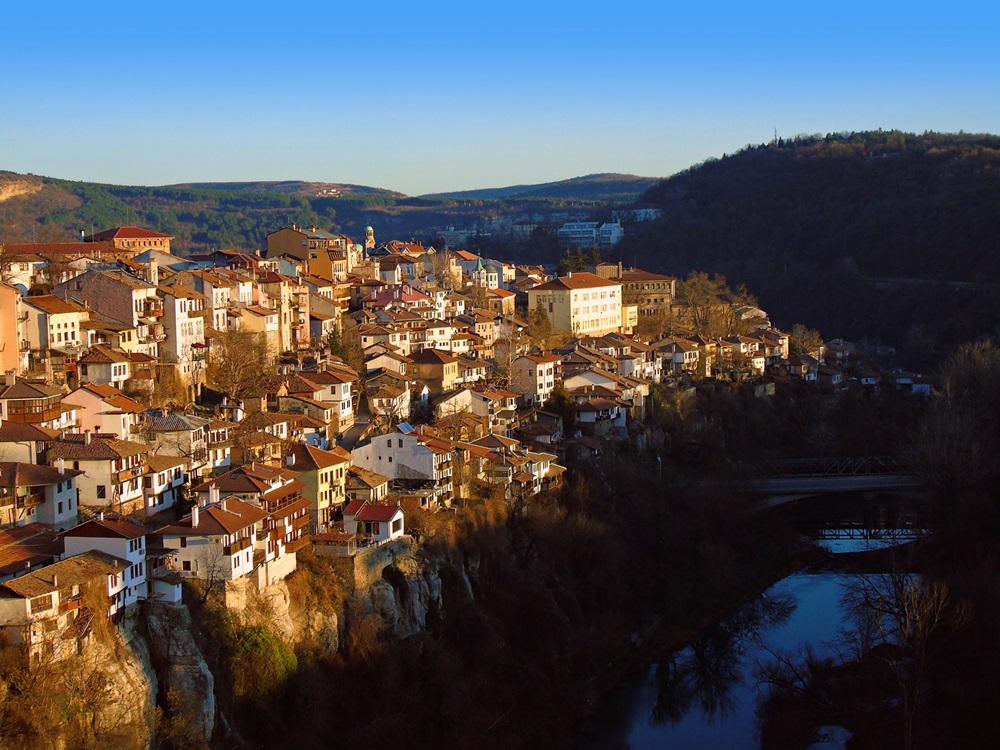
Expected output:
(102, 491)
(186, 565)
(40, 603)
(184, 541)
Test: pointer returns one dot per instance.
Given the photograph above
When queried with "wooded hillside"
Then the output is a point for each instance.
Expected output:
(817, 227)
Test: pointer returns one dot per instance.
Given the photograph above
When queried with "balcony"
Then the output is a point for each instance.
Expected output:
(152, 310)
(238, 546)
(70, 604)
(126, 474)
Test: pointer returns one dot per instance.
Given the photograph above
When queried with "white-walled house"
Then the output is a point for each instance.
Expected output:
(33, 493)
(533, 377)
(213, 542)
(410, 456)
(162, 485)
(381, 522)
(113, 469)
(104, 365)
(119, 538)
(46, 610)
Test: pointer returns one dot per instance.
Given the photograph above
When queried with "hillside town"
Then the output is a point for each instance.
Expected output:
(169, 420)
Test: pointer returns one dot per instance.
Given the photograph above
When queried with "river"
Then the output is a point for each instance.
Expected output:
(706, 695)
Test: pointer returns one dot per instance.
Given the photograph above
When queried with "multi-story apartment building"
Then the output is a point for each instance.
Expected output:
(184, 325)
(580, 303)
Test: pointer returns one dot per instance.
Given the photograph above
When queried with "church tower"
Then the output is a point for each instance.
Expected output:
(369, 239)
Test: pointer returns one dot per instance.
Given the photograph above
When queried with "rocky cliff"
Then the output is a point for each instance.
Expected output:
(404, 597)
(187, 685)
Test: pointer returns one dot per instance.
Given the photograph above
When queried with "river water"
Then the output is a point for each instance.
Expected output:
(706, 695)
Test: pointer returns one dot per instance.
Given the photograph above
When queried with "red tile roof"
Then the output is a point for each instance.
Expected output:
(579, 280)
(214, 521)
(107, 527)
(126, 233)
(370, 512)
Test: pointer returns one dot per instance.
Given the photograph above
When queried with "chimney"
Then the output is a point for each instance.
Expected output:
(61, 465)
(86, 437)
(100, 516)
(213, 495)
(154, 272)
(569, 274)
(194, 517)
(55, 580)
(82, 235)
(290, 460)
(222, 504)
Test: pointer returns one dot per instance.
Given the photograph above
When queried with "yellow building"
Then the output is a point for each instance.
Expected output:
(438, 369)
(329, 255)
(580, 303)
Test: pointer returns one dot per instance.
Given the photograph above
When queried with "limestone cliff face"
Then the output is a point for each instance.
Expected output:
(17, 185)
(273, 608)
(185, 679)
(124, 673)
(101, 696)
(403, 603)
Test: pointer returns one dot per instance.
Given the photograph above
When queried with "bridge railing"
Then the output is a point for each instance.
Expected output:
(847, 466)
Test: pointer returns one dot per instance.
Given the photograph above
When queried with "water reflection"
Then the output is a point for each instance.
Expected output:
(703, 675)
(706, 694)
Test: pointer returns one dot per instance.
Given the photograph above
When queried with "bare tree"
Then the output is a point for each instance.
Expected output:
(911, 613)
(213, 569)
(240, 364)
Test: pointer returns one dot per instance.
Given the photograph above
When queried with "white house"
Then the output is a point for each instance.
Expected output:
(405, 455)
(113, 469)
(119, 538)
(382, 522)
(533, 377)
(32, 493)
(214, 542)
(46, 610)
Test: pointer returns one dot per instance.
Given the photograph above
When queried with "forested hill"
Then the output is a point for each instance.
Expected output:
(814, 226)
(611, 187)
(241, 214)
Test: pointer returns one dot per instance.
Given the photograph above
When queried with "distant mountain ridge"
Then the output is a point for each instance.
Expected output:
(292, 187)
(607, 186)
(207, 215)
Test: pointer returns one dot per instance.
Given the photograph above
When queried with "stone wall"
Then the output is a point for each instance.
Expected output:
(371, 561)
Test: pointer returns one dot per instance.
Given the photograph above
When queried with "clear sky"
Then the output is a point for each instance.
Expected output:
(433, 96)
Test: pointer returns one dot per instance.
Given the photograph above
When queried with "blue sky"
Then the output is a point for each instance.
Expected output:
(448, 96)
